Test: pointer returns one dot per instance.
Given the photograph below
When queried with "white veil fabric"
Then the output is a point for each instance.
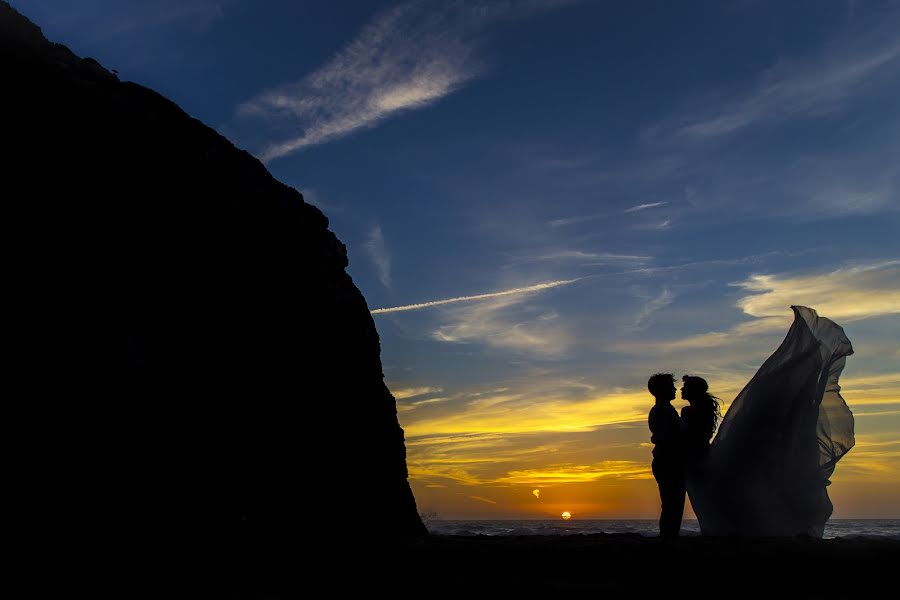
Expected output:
(778, 444)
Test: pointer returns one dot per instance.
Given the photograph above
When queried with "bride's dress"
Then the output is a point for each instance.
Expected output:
(767, 469)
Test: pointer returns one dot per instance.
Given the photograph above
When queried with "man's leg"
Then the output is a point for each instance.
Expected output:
(671, 492)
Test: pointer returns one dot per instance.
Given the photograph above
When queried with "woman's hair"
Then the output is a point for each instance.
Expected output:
(696, 389)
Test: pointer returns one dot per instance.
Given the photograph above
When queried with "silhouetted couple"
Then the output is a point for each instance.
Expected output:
(766, 472)
(680, 443)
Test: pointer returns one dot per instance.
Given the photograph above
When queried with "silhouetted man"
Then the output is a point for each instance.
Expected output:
(667, 460)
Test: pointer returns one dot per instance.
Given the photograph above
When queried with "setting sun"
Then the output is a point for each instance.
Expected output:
(566, 516)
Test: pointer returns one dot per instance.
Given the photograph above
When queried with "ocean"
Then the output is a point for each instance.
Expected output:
(836, 528)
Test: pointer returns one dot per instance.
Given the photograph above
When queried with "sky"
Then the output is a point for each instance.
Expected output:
(544, 202)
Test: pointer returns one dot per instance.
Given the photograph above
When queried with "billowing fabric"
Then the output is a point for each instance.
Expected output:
(767, 470)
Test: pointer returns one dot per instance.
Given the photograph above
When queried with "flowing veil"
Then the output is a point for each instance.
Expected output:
(769, 465)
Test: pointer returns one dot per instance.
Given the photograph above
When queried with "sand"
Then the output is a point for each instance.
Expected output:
(549, 567)
(613, 566)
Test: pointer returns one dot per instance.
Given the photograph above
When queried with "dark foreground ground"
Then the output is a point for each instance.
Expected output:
(575, 566)
(630, 566)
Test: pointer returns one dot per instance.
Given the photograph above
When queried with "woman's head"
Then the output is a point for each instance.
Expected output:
(694, 387)
(696, 391)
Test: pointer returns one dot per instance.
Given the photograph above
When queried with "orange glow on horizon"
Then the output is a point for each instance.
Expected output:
(519, 455)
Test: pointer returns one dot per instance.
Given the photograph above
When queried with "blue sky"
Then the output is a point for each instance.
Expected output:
(627, 187)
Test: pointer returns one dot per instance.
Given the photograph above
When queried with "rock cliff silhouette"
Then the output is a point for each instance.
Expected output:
(189, 364)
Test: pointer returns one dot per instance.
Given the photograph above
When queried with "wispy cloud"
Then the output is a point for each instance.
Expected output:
(537, 409)
(732, 337)
(377, 252)
(652, 305)
(404, 393)
(640, 207)
(503, 323)
(847, 294)
(539, 433)
(582, 219)
(595, 256)
(480, 499)
(604, 215)
(419, 404)
(800, 87)
(512, 292)
(717, 262)
(584, 258)
(408, 57)
(655, 225)
(103, 21)
(568, 473)
(852, 293)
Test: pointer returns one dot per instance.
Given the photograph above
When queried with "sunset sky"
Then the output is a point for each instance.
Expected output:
(546, 201)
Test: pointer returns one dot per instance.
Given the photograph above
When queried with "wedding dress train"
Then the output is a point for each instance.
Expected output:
(767, 469)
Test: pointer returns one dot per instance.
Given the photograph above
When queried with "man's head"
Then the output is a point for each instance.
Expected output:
(662, 386)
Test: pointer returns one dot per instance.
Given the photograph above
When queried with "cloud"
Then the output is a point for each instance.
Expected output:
(873, 391)
(407, 58)
(586, 259)
(580, 255)
(847, 294)
(716, 262)
(405, 393)
(503, 323)
(512, 292)
(810, 87)
(657, 225)
(103, 21)
(640, 207)
(376, 250)
(535, 410)
(731, 337)
(419, 404)
(574, 220)
(872, 459)
(567, 473)
(480, 499)
(605, 215)
(602, 257)
(654, 304)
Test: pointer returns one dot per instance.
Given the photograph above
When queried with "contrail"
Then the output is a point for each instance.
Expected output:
(644, 206)
(523, 290)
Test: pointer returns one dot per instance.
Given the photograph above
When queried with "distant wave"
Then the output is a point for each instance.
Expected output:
(838, 528)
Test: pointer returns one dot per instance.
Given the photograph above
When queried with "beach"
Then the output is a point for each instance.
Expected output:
(600, 565)
(623, 565)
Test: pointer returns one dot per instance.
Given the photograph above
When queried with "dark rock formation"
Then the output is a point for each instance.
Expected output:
(189, 364)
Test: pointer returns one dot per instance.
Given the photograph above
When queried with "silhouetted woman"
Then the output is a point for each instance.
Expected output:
(700, 418)
(698, 424)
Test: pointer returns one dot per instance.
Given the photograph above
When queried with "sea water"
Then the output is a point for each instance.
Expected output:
(836, 528)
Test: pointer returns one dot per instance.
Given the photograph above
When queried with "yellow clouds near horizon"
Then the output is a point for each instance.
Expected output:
(566, 473)
(871, 390)
(485, 500)
(502, 444)
(523, 413)
(874, 458)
